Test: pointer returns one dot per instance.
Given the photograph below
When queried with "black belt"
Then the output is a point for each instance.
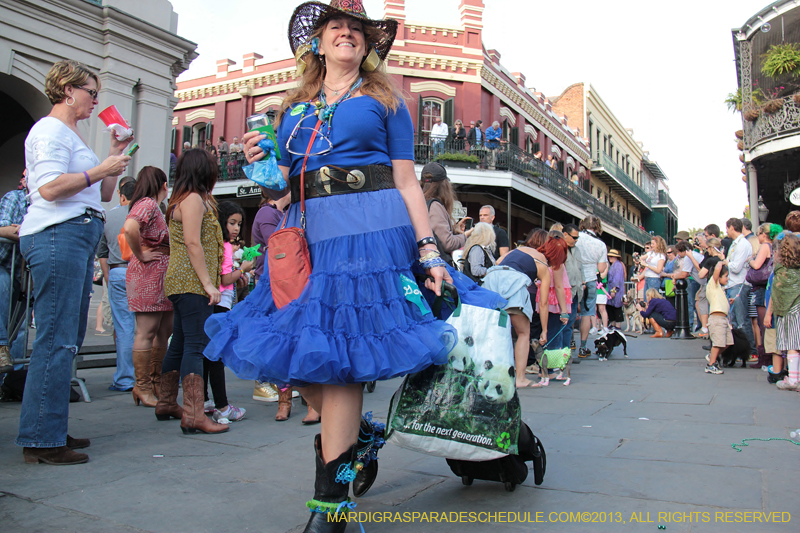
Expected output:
(95, 213)
(118, 265)
(330, 181)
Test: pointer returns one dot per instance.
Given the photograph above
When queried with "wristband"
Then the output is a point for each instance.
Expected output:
(432, 263)
(564, 315)
(425, 240)
(88, 182)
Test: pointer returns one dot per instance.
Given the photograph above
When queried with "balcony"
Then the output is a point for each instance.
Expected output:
(229, 168)
(619, 182)
(664, 199)
(785, 122)
(637, 234)
(514, 159)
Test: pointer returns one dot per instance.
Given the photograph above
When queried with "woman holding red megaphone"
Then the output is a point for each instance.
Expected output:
(59, 236)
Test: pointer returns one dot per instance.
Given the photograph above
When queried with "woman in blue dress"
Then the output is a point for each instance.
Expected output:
(366, 225)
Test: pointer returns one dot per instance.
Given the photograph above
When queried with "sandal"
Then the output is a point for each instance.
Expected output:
(541, 383)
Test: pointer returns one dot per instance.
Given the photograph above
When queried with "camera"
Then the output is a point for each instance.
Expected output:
(636, 256)
(696, 242)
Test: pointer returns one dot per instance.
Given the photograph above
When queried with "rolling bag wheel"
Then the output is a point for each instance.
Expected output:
(510, 486)
(466, 480)
(371, 386)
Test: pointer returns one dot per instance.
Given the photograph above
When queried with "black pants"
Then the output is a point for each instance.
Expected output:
(214, 374)
(666, 324)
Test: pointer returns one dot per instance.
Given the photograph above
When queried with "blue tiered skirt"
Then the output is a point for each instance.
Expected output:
(352, 322)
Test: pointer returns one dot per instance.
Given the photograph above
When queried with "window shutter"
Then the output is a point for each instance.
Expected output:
(187, 135)
(561, 167)
(449, 112)
(514, 136)
(173, 139)
(419, 117)
(210, 132)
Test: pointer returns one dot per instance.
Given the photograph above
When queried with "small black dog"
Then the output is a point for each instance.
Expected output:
(739, 350)
(606, 343)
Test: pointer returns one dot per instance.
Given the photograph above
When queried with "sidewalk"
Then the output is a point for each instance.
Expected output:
(633, 437)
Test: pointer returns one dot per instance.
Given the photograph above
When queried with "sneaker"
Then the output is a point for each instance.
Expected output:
(775, 378)
(5, 360)
(604, 331)
(572, 345)
(713, 369)
(265, 392)
(231, 413)
(593, 331)
(708, 358)
(785, 384)
(583, 353)
(208, 407)
(753, 358)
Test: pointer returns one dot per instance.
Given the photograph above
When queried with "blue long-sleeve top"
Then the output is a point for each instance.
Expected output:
(492, 136)
(659, 305)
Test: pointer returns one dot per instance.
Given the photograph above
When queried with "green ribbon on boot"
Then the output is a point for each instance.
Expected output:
(317, 506)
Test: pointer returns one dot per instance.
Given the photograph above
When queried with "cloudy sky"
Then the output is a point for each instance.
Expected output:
(664, 68)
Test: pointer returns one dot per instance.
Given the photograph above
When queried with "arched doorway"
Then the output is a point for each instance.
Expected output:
(22, 106)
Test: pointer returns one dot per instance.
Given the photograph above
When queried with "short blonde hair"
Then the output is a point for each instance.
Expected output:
(653, 293)
(63, 73)
(557, 227)
(482, 235)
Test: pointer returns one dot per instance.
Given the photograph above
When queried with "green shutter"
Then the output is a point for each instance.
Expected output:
(448, 112)
(419, 116)
(187, 135)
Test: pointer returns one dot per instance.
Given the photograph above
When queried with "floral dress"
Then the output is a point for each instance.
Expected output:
(144, 282)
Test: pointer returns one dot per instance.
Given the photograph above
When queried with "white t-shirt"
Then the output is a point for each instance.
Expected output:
(52, 149)
(593, 251)
(651, 259)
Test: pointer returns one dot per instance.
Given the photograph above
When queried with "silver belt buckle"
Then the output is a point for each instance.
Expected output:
(356, 179)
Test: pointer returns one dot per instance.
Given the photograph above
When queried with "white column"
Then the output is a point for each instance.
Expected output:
(154, 119)
(752, 186)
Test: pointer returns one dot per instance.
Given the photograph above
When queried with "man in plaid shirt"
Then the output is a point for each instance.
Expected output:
(13, 207)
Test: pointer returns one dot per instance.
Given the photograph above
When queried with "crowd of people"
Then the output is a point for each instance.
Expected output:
(335, 311)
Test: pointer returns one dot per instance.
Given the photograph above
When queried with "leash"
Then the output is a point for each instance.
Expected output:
(554, 336)
(737, 446)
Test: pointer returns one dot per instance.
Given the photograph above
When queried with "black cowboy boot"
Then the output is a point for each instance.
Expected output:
(370, 440)
(330, 492)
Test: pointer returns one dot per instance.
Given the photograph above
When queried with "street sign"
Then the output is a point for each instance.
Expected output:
(248, 190)
(795, 196)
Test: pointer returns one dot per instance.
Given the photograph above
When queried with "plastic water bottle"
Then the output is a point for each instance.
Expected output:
(795, 434)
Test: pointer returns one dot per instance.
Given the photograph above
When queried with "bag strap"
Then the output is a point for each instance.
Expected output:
(303, 179)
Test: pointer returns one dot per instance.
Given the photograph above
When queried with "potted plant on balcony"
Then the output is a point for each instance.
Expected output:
(781, 59)
(775, 103)
(751, 113)
(458, 160)
(739, 134)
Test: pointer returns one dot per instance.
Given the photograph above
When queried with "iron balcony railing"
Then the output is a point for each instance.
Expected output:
(636, 233)
(665, 199)
(229, 168)
(784, 122)
(606, 162)
(512, 158)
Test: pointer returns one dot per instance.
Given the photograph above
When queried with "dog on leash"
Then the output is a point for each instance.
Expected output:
(606, 343)
(739, 350)
(633, 318)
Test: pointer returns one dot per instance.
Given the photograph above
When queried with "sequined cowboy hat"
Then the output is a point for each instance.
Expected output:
(311, 15)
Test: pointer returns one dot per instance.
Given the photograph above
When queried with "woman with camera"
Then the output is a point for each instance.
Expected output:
(653, 263)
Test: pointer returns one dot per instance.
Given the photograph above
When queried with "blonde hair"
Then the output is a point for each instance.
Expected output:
(482, 235)
(661, 245)
(376, 83)
(557, 227)
(653, 293)
(63, 73)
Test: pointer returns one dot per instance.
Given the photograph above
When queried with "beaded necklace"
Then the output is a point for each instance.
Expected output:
(323, 110)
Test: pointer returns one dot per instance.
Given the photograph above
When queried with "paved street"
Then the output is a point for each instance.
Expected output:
(634, 437)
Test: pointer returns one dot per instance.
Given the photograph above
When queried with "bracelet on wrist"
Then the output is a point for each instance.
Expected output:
(426, 240)
(434, 262)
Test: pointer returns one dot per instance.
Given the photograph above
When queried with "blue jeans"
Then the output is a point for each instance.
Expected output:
(555, 335)
(438, 147)
(651, 283)
(124, 327)
(691, 291)
(573, 316)
(738, 313)
(6, 288)
(189, 339)
(61, 259)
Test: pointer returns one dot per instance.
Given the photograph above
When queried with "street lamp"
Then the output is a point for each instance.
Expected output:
(763, 211)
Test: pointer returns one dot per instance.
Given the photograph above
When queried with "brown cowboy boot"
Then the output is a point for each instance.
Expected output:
(167, 405)
(156, 358)
(284, 405)
(143, 390)
(62, 455)
(194, 419)
(659, 333)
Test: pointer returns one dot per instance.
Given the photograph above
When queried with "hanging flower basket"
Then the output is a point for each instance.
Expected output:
(750, 115)
(773, 106)
(740, 146)
(740, 134)
(744, 171)
(741, 158)
(744, 179)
